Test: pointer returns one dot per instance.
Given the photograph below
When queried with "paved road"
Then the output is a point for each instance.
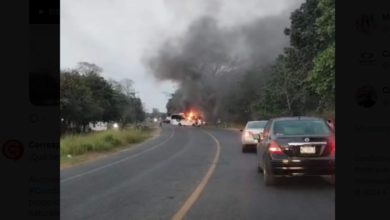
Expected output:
(155, 179)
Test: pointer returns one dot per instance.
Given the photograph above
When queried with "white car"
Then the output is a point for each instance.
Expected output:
(178, 119)
(182, 122)
(251, 134)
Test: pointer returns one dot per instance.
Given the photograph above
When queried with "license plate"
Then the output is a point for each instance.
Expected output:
(308, 150)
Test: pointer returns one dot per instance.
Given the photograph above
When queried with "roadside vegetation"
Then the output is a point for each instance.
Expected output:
(86, 97)
(76, 147)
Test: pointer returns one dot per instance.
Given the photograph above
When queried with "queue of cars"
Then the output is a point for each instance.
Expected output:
(291, 146)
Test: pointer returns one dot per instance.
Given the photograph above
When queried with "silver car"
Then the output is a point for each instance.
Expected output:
(251, 133)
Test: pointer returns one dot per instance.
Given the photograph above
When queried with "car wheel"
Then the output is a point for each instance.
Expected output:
(244, 149)
(179, 124)
(269, 178)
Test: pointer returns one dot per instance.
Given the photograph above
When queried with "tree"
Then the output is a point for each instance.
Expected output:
(321, 79)
(302, 78)
(174, 103)
(86, 68)
(130, 107)
(304, 36)
(325, 24)
(127, 87)
(139, 110)
(86, 97)
(102, 93)
(76, 100)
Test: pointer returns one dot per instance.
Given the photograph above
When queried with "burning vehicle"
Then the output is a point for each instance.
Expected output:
(179, 119)
(195, 117)
(189, 118)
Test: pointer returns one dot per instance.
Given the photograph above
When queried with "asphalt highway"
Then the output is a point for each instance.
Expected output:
(189, 173)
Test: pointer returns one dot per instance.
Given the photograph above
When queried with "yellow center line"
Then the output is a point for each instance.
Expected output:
(196, 194)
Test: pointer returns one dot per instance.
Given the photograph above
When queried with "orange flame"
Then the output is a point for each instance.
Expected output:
(192, 115)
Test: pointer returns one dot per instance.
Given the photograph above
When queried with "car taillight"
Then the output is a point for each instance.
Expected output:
(332, 145)
(274, 148)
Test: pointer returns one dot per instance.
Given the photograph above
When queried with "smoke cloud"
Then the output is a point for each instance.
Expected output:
(210, 57)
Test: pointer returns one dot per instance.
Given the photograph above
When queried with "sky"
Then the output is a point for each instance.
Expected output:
(119, 35)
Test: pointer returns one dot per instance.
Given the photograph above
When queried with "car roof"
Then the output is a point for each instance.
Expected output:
(256, 121)
(297, 118)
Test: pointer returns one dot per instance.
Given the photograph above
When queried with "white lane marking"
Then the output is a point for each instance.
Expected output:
(119, 161)
(199, 189)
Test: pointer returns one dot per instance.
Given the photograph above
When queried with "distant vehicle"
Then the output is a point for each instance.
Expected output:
(99, 126)
(182, 119)
(179, 119)
(176, 118)
(167, 120)
(296, 146)
(251, 134)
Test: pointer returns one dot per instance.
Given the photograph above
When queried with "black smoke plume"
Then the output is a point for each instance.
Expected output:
(209, 59)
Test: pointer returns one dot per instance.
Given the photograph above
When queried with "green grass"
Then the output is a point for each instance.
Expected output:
(101, 141)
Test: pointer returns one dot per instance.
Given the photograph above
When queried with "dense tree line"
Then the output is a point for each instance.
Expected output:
(300, 81)
(86, 97)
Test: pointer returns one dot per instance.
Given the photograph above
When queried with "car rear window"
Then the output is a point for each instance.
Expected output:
(256, 124)
(300, 127)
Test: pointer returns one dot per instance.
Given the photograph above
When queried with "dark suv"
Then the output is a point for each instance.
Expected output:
(296, 146)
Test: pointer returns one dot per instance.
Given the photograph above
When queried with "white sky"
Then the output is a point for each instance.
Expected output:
(118, 34)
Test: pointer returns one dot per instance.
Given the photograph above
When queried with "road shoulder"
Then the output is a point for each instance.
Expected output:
(94, 156)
